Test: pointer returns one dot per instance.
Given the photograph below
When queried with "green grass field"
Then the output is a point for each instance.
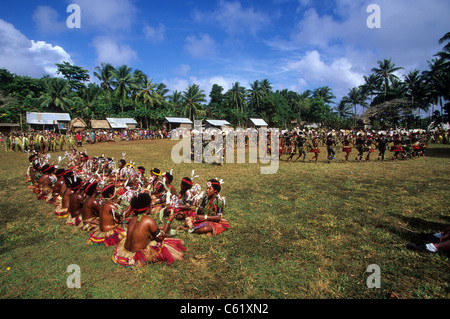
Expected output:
(308, 231)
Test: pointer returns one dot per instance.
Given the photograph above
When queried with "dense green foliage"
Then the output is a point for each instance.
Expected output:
(386, 99)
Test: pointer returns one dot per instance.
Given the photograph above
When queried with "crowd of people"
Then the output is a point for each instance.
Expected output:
(296, 144)
(53, 141)
(118, 205)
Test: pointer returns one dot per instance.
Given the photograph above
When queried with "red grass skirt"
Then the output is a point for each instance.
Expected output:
(347, 149)
(184, 213)
(216, 227)
(396, 149)
(109, 238)
(169, 250)
(315, 150)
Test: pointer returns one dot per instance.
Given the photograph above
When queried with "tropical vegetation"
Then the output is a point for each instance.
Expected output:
(384, 100)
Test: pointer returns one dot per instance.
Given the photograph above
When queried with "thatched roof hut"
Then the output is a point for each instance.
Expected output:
(77, 124)
(100, 125)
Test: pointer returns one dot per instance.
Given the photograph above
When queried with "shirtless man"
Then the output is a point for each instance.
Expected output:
(382, 144)
(146, 242)
(360, 143)
(346, 148)
(91, 207)
(108, 232)
(75, 202)
(301, 147)
(58, 188)
(46, 181)
(31, 176)
(331, 144)
(315, 149)
(61, 210)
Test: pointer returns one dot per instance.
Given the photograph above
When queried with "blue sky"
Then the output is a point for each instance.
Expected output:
(295, 44)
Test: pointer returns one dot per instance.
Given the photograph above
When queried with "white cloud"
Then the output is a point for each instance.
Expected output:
(338, 48)
(234, 18)
(182, 69)
(154, 34)
(22, 56)
(45, 55)
(203, 47)
(339, 74)
(205, 83)
(109, 51)
(107, 15)
(46, 19)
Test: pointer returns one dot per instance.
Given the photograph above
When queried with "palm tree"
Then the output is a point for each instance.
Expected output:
(385, 71)
(88, 95)
(306, 94)
(436, 67)
(325, 94)
(123, 82)
(343, 109)
(139, 79)
(255, 95)
(236, 97)
(57, 92)
(355, 97)
(192, 96)
(443, 90)
(415, 90)
(175, 100)
(147, 92)
(445, 53)
(371, 86)
(105, 74)
(266, 86)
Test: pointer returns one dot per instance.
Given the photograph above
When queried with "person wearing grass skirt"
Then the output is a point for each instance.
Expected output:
(61, 210)
(209, 215)
(146, 242)
(91, 207)
(75, 202)
(108, 232)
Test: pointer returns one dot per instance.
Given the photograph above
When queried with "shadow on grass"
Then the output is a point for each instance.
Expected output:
(418, 226)
(441, 152)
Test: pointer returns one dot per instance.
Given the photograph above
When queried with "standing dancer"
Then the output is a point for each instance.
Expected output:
(347, 149)
(315, 149)
(331, 144)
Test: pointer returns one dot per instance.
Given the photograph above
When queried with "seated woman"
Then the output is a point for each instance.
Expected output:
(183, 207)
(209, 219)
(108, 232)
(145, 242)
(158, 194)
